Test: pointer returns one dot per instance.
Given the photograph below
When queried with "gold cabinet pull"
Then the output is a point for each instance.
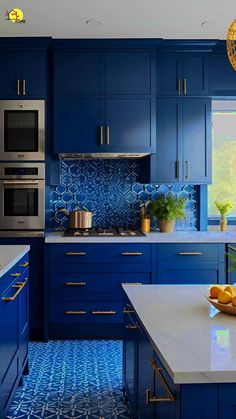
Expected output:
(74, 284)
(108, 135)
(16, 274)
(24, 87)
(179, 87)
(131, 326)
(101, 135)
(131, 254)
(187, 169)
(18, 87)
(103, 312)
(24, 265)
(185, 86)
(75, 253)
(19, 286)
(157, 399)
(128, 311)
(177, 169)
(190, 253)
(75, 312)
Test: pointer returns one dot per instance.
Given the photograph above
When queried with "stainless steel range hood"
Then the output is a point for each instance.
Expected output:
(87, 156)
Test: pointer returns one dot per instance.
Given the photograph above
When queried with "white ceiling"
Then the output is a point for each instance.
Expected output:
(121, 18)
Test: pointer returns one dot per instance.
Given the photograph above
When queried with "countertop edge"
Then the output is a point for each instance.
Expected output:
(26, 249)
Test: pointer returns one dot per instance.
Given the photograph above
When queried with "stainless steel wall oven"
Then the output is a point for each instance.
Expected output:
(22, 130)
(22, 196)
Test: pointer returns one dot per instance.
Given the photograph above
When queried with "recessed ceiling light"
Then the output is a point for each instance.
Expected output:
(93, 22)
(208, 24)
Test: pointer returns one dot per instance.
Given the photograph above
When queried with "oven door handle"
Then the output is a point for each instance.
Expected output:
(20, 182)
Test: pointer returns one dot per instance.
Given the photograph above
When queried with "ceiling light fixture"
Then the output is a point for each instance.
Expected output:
(231, 44)
(93, 22)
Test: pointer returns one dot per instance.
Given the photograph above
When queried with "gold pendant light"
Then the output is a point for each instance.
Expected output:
(231, 44)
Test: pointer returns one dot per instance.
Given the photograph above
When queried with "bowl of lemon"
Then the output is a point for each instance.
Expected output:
(223, 297)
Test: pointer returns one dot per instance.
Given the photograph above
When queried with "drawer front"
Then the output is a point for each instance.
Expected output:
(79, 311)
(101, 253)
(16, 272)
(202, 273)
(188, 252)
(81, 283)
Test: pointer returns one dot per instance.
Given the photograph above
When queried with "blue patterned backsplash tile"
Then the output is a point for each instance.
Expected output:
(110, 190)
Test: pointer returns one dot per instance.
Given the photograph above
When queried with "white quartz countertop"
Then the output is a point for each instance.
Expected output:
(154, 237)
(195, 342)
(10, 255)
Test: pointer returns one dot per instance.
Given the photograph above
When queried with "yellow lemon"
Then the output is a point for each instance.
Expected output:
(234, 302)
(15, 15)
(224, 297)
(230, 289)
(215, 290)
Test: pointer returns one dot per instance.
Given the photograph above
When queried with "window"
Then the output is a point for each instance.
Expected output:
(223, 156)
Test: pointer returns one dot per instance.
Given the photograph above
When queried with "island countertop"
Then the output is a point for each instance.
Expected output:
(10, 255)
(195, 342)
(153, 237)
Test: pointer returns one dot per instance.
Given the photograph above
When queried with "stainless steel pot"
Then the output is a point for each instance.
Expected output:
(78, 218)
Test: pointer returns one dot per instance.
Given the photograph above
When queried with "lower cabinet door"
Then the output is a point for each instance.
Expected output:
(9, 333)
(193, 274)
(23, 322)
(7, 385)
(145, 409)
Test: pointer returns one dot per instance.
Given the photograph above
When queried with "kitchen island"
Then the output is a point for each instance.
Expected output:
(176, 329)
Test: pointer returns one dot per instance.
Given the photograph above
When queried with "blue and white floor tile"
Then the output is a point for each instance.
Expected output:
(72, 379)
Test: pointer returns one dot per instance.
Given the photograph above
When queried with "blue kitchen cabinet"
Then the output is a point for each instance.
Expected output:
(104, 102)
(183, 143)
(190, 263)
(182, 74)
(23, 74)
(222, 76)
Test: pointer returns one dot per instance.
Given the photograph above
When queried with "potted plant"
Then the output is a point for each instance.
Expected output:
(167, 209)
(224, 208)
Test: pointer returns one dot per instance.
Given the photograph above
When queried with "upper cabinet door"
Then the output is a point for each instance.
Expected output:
(130, 125)
(196, 141)
(8, 71)
(168, 74)
(32, 72)
(223, 76)
(181, 75)
(78, 73)
(129, 73)
(195, 78)
(78, 125)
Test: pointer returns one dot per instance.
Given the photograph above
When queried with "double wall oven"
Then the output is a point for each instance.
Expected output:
(22, 201)
(22, 130)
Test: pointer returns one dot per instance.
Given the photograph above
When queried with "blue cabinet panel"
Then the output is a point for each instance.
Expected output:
(7, 385)
(222, 76)
(195, 74)
(190, 252)
(168, 73)
(8, 79)
(196, 141)
(189, 273)
(24, 321)
(77, 125)
(199, 401)
(128, 73)
(78, 73)
(131, 125)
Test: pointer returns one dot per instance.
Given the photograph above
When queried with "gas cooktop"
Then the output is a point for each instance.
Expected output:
(106, 232)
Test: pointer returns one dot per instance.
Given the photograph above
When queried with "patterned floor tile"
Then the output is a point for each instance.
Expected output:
(72, 380)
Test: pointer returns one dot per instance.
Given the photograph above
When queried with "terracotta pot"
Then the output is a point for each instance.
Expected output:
(166, 226)
(223, 224)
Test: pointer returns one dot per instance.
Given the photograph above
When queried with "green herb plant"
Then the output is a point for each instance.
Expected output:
(168, 208)
(224, 207)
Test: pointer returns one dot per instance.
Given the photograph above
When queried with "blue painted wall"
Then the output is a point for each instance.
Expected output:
(109, 188)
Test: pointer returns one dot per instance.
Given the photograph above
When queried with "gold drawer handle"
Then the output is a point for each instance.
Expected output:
(132, 283)
(16, 274)
(185, 86)
(18, 87)
(103, 312)
(24, 87)
(131, 253)
(75, 312)
(179, 87)
(75, 284)
(132, 326)
(101, 135)
(169, 396)
(190, 253)
(75, 253)
(19, 287)
(24, 265)
(128, 311)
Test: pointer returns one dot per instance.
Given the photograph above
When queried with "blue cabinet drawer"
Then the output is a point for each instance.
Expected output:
(19, 269)
(196, 273)
(68, 282)
(79, 311)
(101, 253)
(190, 252)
